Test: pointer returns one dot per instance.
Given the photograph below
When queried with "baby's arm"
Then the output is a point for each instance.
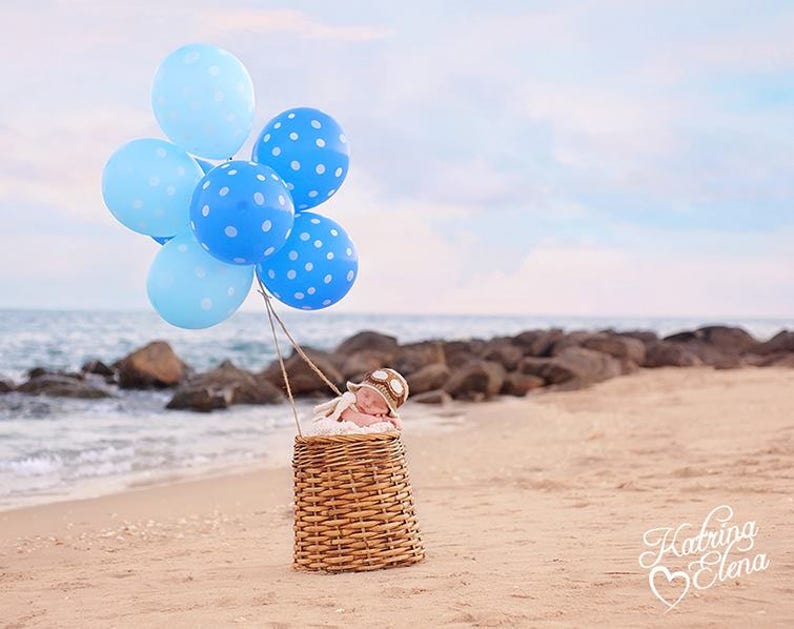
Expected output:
(362, 419)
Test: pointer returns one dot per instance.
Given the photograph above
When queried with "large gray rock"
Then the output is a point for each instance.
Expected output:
(459, 353)
(412, 357)
(717, 345)
(519, 384)
(503, 352)
(574, 338)
(669, 354)
(6, 385)
(367, 340)
(575, 366)
(782, 342)
(62, 386)
(238, 386)
(355, 365)
(620, 347)
(428, 378)
(538, 342)
(97, 367)
(200, 399)
(153, 366)
(475, 381)
(303, 381)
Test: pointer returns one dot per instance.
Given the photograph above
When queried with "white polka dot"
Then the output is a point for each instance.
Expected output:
(291, 274)
(170, 191)
(266, 226)
(239, 260)
(281, 199)
(261, 177)
(154, 181)
(302, 206)
(349, 251)
(326, 302)
(201, 273)
(293, 255)
(259, 198)
(214, 70)
(308, 266)
(291, 115)
(230, 231)
(311, 290)
(182, 248)
(223, 191)
(320, 142)
(315, 221)
(137, 204)
(319, 169)
(276, 151)
(342, 138)
(350, 276)
(305, 236)
(230, 291)
(161, 152)
(312, 194)
(205, 185)
(327, 279)
(271, 274)
(293, 136)
(225, 166)
(205, 211)
(316, 124)
(334, 232)
(269, 250)
(330, 192)
(338, 172)
(329, 255)
(299, 295)
(290, 186)
(277, 125)
(318, 244)
(232, 172)
(206, 303)
(295, 164)
(266, 138)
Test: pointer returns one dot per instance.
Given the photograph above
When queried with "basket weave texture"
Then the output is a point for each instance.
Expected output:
(353, 505)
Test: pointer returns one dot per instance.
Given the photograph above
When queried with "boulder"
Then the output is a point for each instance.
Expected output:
(782, 342)
(153, 366)
(782, 359)
(475, 381)
(239, 386)
(519, 384)
(412, 357)
(459, 353)
(428, 378)
(36, 372)
(621, 347)
(730, 340)
(503, 352)
(357, 364)
(367, 340)
(303, 381)
(62, 386)
(570, 339)
(433, 397)
(577, 366)
(669, 354)
(200, 399)
(6, 385)
(716, 345)
(97, 367)
(538, 342)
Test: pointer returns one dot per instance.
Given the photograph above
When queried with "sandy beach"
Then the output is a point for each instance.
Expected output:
(532, 513)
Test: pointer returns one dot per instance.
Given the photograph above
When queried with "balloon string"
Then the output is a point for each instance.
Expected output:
(280, 357)
(294, 343)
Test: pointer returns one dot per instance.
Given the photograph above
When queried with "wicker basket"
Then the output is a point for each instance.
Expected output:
(353, 505)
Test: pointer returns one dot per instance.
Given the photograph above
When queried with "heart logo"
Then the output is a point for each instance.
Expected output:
(679, 574)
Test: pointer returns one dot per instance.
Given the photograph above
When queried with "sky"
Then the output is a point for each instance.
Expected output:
(609, 158)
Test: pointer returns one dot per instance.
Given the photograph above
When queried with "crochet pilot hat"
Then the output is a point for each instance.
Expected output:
(391, 385)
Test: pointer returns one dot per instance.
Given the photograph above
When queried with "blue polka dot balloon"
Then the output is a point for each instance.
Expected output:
(241, 212)
(191, 289)
(309, 150)
(315, 268)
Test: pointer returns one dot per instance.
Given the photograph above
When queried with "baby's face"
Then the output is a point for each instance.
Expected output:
(370, 402)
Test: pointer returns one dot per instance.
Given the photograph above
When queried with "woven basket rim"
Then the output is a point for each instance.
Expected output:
(355, 436)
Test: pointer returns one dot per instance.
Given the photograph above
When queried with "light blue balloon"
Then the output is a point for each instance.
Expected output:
(147, 185)
(191, 289)
(315, 268)
(203, 98)
(309, 150)
(241, 212)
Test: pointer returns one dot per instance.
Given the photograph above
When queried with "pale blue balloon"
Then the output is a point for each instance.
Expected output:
(309, 150)
(241, 212)
(203, 98)
(191, 289)
(147, 185)
(315, 268)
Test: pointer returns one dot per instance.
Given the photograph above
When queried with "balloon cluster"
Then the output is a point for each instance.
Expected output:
(221, 223)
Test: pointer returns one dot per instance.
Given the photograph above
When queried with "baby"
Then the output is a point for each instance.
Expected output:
(369, 406)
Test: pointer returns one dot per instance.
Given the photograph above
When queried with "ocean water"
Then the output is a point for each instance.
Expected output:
(54, 448)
